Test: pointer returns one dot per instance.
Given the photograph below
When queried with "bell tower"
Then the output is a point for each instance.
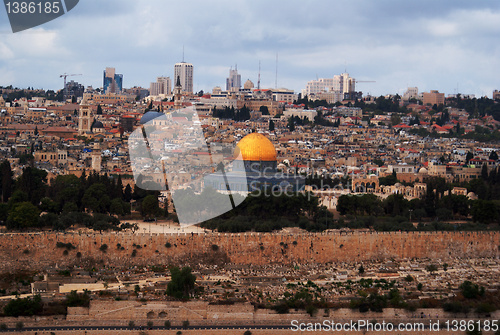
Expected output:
(178, 94)
(85, 117)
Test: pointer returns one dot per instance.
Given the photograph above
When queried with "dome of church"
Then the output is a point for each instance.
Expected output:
(255, 147)
(422, 170)
(150, 116)
(97, 124)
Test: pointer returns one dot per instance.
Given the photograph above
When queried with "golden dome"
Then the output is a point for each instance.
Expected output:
(255, 147)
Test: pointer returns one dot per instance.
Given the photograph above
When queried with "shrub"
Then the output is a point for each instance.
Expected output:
(78, 254)
(150, 324)
(470, 290)
(134, 253)
(131, 324)
(215, 247)
(185, 324)
(168, 245)
(103, 247)
(74, 299)
(24, 307)
(19, 325)
(3, 326)
(281, 308)
(168, 324)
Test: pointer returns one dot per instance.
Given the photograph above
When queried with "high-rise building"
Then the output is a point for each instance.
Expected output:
(433, 98)
(75, 89)
(411, 93)
(233, 82)
(339, 84)
(184, 71)
(112, 82)
(163, 85)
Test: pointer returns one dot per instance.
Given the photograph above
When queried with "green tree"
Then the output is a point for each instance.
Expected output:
(271, 125)
(24, 307)
(116, 207)
(127, 194)
(75, 299)
(395, 119)
(99, 109)
(33, 183)
(291, 124)
(484, 172)
(182, 283)
(431, 268)
(96, 198)
(150, 206)
(484, 211)
(469, 156)
(23, 215)
(264, 110)
(493, 156)
(470, 290)
(6, 180)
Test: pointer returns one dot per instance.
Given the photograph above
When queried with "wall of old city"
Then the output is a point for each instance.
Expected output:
(201, 314)
(39, 251)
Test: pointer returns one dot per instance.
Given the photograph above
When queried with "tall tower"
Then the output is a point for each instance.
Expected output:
(112, 82)
(233, 82)
(96, 161)
(85, 117)
(184, 71)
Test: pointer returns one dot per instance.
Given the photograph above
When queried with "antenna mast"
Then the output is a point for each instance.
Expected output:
(258, 81)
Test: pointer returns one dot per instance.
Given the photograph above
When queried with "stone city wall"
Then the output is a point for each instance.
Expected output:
(221, 315)
(38, 251)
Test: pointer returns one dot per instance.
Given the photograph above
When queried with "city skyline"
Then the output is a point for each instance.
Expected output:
(448, 46)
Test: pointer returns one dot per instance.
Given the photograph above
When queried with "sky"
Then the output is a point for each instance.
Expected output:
(451, 46)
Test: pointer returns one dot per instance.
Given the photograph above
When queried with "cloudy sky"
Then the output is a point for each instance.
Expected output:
(443, 45)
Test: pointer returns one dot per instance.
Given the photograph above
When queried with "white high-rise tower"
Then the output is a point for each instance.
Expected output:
(233, 82)
(184, 71)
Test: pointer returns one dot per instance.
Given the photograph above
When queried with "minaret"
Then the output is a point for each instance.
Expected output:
(85, 117)
(178, 94)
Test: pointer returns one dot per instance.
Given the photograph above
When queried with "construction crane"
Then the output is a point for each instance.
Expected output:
(65, 90)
